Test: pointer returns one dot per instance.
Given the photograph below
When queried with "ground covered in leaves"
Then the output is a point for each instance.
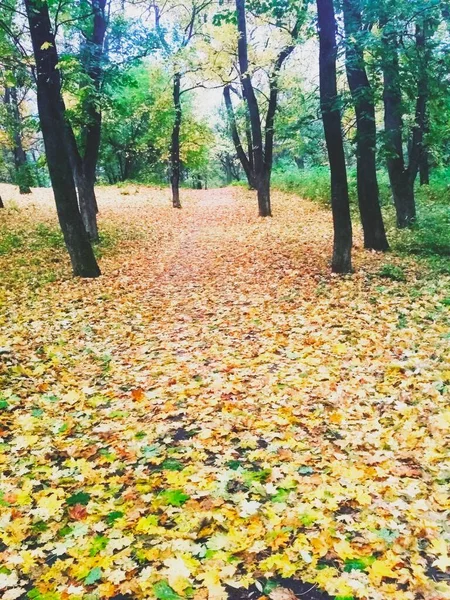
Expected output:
(217, 412)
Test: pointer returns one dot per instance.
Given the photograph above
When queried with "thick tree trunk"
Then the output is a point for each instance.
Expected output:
(53, 126)
(243, 158)
(175, 146)
(399, 176)
(22, 173)
(363, 101)
(87, 203)
(341, 262)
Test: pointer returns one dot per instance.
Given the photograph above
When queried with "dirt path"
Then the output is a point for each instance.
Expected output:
(218, 409)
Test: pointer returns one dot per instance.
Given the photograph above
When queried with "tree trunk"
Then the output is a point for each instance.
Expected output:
(424, 168)
(53, 126)
(399, 176)
(22, 172)
(244, 160)
(363, 101)
(92, 58)
(341, 262)
(418, 152)
(263, 191)
(175, 146)
(1, 203)
(85, 190)
(252, 107)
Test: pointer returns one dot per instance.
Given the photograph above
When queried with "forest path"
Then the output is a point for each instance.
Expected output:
(218, 407)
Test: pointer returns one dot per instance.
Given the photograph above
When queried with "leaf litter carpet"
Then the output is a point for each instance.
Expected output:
(218, 413)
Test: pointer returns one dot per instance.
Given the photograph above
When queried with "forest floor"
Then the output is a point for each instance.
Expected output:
(218, 409)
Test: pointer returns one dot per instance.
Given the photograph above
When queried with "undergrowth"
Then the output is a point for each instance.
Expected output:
(429, 238)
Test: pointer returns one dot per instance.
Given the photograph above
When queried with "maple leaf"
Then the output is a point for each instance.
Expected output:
(77, 512)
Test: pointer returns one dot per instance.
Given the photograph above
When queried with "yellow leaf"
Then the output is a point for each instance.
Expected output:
(382, 568)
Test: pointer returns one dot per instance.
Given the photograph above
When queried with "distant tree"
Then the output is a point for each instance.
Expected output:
(187, 21)
(262, 149)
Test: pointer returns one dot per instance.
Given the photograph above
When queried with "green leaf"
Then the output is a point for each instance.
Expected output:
(3, 404)
(234, 464)
(163, 591)
(78, 498)
(94, 575)
(358, 564)
(113, 516)
(174, 497)
(280, 496)
(171, 464)
(99, 543)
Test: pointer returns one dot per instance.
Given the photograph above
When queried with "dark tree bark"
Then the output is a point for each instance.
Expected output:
(175, 145)
(53, 126)
(402, 184)
(363, 101)
(331, 116)
(1, 203)
(84, 160)
(86, 194)
(243, 158)
(424, 169)
(254, 115)
(22, 174)
(419, 161)
(93, 57)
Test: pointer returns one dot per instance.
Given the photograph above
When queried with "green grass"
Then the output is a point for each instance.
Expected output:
(10, 241)
(429, 238)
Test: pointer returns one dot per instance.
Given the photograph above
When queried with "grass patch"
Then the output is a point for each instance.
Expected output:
(10, 241)
(392, 272)
(430, 236)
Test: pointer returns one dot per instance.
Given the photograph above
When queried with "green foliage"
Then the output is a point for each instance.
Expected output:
(137, 129)
(313, 184)
(10, 241)
(392, 272)
(163, 591)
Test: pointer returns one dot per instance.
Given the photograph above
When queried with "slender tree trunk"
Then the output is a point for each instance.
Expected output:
(418, 152)
(425, 167)
(341, 262)
(243, 158)
(53, 126)
(22, 172)
(1, 203)
(86, 195)
(93, 56)
(254, 115)
(175, 146)
(401, 182)
(363, 101)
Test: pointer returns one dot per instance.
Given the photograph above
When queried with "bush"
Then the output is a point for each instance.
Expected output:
(392, 272)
